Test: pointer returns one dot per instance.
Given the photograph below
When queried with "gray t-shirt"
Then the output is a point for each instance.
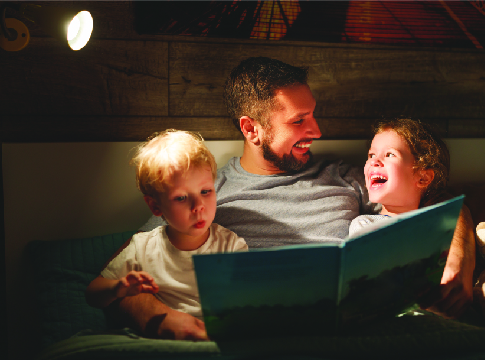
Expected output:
(314, 205)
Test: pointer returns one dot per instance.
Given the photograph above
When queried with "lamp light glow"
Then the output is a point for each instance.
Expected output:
(79, 30)
(65, 24)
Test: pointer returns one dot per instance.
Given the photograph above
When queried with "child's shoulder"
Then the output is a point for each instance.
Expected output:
(225, 240)
(144, 237)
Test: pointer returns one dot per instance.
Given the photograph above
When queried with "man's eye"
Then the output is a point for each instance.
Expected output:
(298, 122)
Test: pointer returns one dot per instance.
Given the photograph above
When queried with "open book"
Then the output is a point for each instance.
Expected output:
(322, 288)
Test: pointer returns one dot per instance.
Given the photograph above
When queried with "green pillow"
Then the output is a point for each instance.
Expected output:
(62, 270)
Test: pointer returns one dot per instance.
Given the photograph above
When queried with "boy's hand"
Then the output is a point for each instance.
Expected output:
(134, 283)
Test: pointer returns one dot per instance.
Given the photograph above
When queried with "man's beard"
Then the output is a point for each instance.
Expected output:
(287, 162)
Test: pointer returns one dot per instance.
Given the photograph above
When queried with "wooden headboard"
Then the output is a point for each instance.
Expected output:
(124, 86)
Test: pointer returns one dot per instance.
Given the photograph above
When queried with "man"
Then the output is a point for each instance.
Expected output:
(276, 194)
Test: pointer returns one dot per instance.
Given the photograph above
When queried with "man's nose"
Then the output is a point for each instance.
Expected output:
(313, 129)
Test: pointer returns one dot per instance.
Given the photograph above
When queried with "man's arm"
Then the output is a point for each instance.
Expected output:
(456, 289)
(154, 319)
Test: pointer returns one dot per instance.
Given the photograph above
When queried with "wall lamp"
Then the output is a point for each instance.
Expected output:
(68, 25)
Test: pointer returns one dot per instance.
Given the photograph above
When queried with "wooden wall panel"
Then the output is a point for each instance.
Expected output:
(123, 86)
(42, 128)
(111, 77)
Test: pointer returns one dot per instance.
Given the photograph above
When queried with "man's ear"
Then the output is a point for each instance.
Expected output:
(250, 129)
(153, 205)
(425, 177)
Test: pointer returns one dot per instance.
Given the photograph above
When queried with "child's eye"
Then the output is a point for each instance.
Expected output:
(370, 156)
(180, 198)
(205, 192)
(389, 154)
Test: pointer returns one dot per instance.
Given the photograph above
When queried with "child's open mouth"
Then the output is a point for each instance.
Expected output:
(377, 180)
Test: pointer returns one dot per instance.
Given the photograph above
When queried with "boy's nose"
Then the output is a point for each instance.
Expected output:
(197, 205)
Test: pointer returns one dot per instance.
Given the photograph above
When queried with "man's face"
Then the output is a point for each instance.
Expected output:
(287, 137)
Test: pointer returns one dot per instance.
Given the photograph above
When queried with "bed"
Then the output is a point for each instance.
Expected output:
(70, 329)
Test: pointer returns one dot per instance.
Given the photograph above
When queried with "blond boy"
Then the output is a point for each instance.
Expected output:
(176, 173)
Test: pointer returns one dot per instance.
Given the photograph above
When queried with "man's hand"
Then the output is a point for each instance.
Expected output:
(154, 319)
(455, 292)
(453, 296)
(177, 325)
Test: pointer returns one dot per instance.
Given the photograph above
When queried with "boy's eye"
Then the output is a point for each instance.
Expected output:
(370, 156)
(205, 192)
(389, 154)
(180, 198)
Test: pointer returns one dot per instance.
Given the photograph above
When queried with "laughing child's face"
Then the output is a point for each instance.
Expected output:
(389, 174)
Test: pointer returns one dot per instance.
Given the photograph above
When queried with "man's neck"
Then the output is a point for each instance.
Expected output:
(253, 162)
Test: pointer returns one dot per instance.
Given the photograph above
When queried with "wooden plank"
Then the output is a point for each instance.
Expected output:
(108, 77)
(347, 82)
(467, 128)
(45, 128)
(17, 129)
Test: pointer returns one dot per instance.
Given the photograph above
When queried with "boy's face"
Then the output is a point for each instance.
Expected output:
(292, 129)
(189, 204)
(389, 174)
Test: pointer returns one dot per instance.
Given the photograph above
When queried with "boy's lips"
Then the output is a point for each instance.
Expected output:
(199, 224)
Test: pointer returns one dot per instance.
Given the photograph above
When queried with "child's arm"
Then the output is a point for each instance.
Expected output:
(101, 291)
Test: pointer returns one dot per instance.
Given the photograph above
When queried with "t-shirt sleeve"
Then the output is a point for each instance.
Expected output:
(231, 241)
(122, 264)
(240, 244)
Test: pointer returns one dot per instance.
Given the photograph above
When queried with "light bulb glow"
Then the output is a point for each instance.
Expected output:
(73, 28)
(80, 30)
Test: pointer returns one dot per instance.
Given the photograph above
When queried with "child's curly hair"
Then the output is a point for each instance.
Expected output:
(166, 153)
(429, 151)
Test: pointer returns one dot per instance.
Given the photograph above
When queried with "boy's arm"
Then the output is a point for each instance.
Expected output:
(101, 292)
(154, 319)
(456, 290)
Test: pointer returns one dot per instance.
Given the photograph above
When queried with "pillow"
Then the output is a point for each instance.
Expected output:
(61, 271)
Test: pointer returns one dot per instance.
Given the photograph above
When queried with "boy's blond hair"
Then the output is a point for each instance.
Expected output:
(168, 152)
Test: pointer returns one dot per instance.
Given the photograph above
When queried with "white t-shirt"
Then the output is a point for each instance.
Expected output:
(172, 269)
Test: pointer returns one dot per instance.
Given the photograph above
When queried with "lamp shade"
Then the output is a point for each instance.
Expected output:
(68, 25)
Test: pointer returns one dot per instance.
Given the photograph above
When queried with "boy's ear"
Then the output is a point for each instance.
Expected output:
(250, 129)
(425, 177)
(153, 205)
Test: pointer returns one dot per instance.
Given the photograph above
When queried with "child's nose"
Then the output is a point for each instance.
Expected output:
(375, 161)
(197, 204)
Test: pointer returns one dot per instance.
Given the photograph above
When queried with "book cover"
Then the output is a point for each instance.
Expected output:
(322, 288)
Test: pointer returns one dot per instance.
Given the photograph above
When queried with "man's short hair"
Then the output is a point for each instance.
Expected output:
(251, 86)
(163, 154)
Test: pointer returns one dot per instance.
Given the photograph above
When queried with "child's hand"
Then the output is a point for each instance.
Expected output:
(134, 283)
